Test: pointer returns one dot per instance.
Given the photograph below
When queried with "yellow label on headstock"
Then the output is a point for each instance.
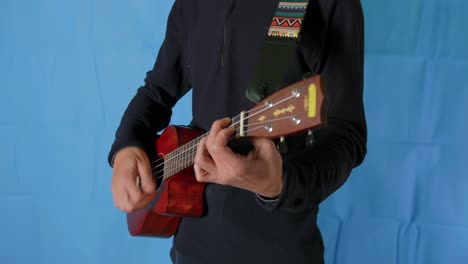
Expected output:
(312, 101)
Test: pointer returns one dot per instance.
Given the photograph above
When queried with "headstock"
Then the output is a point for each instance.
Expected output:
(290, 110)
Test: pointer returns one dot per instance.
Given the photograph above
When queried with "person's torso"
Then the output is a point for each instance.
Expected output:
(222, 40)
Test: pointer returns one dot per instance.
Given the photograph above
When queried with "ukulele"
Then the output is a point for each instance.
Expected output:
(291, 110)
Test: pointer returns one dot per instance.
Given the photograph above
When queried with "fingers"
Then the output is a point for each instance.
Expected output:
(134, 193)
(132, 199)
(129, 164)
(145, 200)
(266, 151)
(210, 151)
(120, 197)
(220, 124)
(148, 185)
(202, 175)
(216, 129)
(204, 166)
(218, 138)
(222, 138)
(265, 147)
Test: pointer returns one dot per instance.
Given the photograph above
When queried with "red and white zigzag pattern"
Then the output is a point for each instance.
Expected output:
(286, 22)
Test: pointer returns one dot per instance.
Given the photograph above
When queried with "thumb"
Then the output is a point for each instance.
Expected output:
(148, 184)
(265, 148)
(261, 144)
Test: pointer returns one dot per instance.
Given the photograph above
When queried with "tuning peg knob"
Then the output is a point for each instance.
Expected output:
(310, 138)
(307, 75)
(282, 146)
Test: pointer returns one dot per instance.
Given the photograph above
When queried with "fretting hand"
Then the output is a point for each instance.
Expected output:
(261, 171)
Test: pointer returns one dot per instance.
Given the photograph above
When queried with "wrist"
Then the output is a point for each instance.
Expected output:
(274, 192)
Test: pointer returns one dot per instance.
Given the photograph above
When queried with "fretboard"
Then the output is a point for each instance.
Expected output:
(180, 158)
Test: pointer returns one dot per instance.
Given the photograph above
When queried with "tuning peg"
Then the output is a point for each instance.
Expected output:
(310, 138)
(282, 146)
(307, 75)
(264, 87)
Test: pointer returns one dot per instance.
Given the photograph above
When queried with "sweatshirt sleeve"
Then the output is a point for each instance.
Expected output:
(316, 172)
(150, 109)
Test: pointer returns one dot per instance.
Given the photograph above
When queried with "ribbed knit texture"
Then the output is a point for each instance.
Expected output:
(212, 46)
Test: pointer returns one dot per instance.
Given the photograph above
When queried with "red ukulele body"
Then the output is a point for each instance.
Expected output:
(293, 109)
(178, 196)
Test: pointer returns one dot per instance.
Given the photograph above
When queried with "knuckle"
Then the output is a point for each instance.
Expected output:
(226, 135)
(267, 142)
(208, 142)
(122, 207)
(124, 172)
(196, 170)
(197, 159)
(131, 204)
(212, 147)
(202, 142)
(138, 197)
(198, 176)
(139, 152)
(142, 162)
(214, 126)
(217, 123)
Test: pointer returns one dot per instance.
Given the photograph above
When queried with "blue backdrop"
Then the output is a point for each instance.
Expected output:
(68, 69)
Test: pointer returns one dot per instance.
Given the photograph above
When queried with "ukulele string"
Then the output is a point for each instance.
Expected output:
(269, 105)
(260, 110)
(188, 149)
(234, 123)
(251, 127)
(195, 139)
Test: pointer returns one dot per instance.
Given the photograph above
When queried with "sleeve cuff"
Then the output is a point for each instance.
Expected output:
(270, 204)
(267, 199)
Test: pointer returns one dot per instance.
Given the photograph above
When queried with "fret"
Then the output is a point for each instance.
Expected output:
(166, 171)
(174, 161)
(168, 166)
(169, 162)
(187, 149)
(180, 158)
(184, 158)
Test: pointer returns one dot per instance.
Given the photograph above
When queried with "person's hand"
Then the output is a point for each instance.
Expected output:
(261, 171)
(130, 163)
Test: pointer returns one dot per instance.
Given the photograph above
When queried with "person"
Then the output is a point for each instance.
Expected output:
(262, 207)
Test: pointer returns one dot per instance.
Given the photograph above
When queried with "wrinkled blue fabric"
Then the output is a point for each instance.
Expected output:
(69, 68)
